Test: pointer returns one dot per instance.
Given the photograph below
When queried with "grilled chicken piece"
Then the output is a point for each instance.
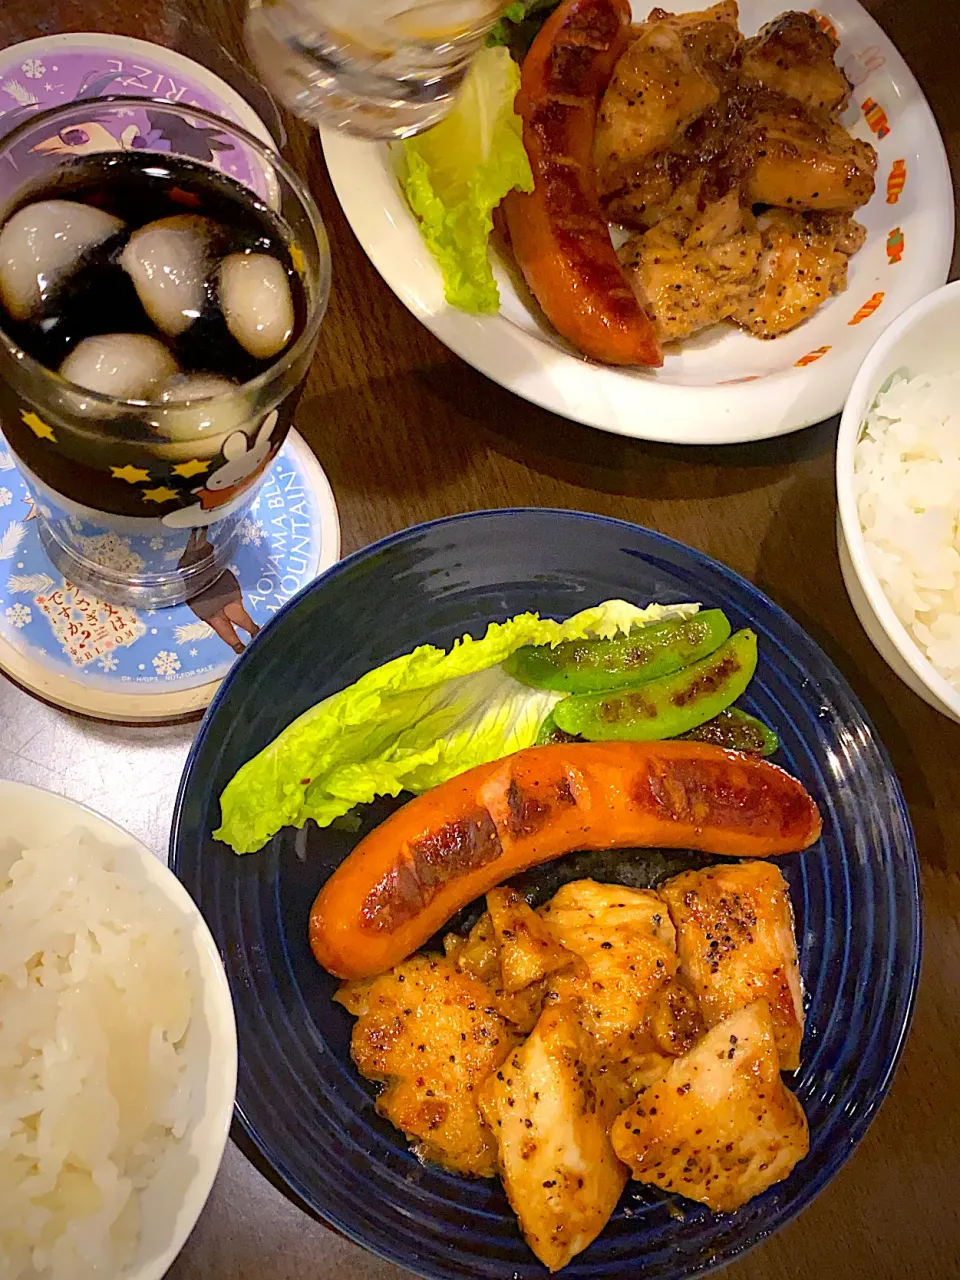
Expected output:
(736, 942)
(551, 1119)
(793, 56)
(720, 1126)
(430, 1033)
(656, 91)
(711, 36)
(478, 955)
(625, 943)
(790, 156)
(804, 262)
(662, 120)
(528, 949)
(687, 280)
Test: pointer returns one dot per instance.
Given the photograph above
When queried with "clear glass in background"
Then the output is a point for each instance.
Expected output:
(374, 68)
(165, 527)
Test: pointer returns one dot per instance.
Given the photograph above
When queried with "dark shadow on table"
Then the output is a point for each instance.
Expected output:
(614, 464)
(249, 1149)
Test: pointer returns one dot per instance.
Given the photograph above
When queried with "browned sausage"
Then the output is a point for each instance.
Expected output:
(445, 848)
(558, 233)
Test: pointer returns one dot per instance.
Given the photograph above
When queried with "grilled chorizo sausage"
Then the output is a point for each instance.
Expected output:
(558, 233)
(449, 846)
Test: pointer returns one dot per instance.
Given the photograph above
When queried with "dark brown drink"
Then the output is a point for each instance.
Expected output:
(161, 291)
(101, 294)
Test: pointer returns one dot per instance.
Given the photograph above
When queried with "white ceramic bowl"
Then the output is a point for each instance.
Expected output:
(925, 339)
(172, 1202)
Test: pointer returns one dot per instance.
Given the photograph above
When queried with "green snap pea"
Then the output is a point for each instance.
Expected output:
(667, 707)
(551, 735)
(737, 731)
(644, 653)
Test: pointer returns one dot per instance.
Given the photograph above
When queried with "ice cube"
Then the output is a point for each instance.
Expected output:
(39, 245)
(196, 419)
(127, 366)
(257, 303)
(168, 262)
(194, 386)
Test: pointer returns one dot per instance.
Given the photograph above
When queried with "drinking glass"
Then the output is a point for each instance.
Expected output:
(139, 502)
(374, 68)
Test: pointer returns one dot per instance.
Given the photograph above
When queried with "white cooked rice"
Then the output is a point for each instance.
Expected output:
(94, 1002)
(907, 490)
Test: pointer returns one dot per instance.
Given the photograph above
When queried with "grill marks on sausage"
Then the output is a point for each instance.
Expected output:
(457, 849)
(723, 793)
(572, 87)
(528, 811)
(429, 863)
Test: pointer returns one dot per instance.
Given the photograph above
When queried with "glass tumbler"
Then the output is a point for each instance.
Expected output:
(374, 68)
(138, 496)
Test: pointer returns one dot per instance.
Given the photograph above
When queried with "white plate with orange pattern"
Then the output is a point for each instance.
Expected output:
(722, 386)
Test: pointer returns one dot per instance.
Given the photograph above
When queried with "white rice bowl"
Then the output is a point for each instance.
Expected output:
(906, 485)
(117, 1049)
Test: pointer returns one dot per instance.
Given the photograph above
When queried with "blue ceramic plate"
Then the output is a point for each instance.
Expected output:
(299, 1098)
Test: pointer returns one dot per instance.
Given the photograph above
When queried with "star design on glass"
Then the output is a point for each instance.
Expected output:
(37, 425)
(192, 468)
(160, 494)
(130, 473)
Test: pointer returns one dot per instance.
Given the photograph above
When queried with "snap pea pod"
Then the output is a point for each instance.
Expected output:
(737, 731)
(551, 735)
(645, 653)
(667, 707)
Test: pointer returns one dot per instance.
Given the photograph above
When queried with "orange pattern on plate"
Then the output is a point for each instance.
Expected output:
(868, 308)
(811, 356)
(895, 243)
(896, 181)
(824, 23)
(875, 117)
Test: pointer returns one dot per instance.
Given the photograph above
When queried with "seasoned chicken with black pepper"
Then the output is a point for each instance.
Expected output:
(478, 956)
(786, 154)
(631, 1005)
(432, 1036)
(720, 1126)
(690, 277)
(793, 55)
(550, 1114)
(528, 950)
(803, 262)
(665, 81)
(736, 943)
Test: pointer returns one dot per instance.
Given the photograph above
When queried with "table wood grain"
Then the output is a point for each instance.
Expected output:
(407, 432)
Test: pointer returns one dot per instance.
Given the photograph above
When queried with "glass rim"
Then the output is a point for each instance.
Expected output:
(266, 153)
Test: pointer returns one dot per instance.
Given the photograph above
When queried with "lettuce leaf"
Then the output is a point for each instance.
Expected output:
(520, 23)
(458, 172)
(408, 725)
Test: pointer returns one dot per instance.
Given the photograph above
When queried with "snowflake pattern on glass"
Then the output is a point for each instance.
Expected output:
(109, 662)
(166, 664)
(33, 69)
(6, 497)
(252, 533)
(19, 615)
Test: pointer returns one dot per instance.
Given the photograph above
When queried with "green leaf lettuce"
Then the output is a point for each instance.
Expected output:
(408, 725)
(458, 172)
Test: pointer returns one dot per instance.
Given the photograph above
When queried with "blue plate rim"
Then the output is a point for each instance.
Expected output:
(861, 1122)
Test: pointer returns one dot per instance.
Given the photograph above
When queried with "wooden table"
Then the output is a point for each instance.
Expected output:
(406, 433)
